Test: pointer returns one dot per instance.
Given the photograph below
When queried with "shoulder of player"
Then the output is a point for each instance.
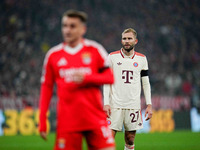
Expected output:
(55, 49)
(52, 51)
(95, 45)
(92, 43)
(115, 52)
(139, 54)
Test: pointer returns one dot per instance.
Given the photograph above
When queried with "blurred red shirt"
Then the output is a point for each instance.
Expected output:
(79, 106)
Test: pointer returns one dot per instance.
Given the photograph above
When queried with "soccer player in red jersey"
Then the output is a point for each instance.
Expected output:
(78, 68)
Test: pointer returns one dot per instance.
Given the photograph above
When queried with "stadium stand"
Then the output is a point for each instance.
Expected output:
(168, 33)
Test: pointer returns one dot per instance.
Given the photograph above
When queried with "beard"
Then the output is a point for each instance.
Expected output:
(128, 49)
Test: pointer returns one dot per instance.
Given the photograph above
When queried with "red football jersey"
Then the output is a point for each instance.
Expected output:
(79, 105)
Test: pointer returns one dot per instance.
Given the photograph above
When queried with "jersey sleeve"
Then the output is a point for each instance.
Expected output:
(145, 66)
(106, 94)
(108, 61)
(145, 82)
(107, 87)
(147, 89)
(47, 82)
(102, 55)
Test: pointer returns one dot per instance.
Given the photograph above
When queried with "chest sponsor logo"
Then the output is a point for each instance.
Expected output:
(68, 74)
(135, 64)
(86, 58)
(127, 75)
(62, 62)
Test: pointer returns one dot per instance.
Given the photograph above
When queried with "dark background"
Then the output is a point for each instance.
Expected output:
(168, 33)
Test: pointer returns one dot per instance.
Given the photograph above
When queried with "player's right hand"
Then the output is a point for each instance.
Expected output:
(148, 112)
(78, 77)
(43, 135)
(107, 110)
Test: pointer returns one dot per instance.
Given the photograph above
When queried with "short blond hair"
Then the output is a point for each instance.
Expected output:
(130, 30)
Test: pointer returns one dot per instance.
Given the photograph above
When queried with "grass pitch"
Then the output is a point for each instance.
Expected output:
(179, 140)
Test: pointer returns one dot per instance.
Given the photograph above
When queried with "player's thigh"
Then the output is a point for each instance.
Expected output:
(133, 120)
(116, 119)
(100, 139)
(66, 141)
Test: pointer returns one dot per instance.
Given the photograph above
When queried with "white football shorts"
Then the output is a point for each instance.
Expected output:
(130, 118)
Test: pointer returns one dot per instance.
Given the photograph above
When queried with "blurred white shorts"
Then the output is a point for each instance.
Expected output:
(130, 118)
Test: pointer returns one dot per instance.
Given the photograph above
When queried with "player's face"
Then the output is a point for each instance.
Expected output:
(72, 29)
(128, 41)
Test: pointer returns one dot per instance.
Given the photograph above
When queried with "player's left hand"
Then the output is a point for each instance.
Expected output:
(43, 135)
(107, 110)
(148, 112)
(78, 77)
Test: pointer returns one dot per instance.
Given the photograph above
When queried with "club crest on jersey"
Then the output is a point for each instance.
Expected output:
(135, 64)
(86, 58)
(61, 143)
(62, 62)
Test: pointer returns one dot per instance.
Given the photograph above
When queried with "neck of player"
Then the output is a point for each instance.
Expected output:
(128, 53)
(74, 43)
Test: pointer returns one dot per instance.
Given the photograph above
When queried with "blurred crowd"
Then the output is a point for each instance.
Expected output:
(168, 33)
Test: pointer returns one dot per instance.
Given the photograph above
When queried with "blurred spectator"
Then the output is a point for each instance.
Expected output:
(173, 83)
(187, 88)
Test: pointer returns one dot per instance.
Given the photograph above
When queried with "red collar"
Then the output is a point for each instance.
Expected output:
(123, 55)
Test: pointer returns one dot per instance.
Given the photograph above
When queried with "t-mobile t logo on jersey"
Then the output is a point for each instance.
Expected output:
(127, 75)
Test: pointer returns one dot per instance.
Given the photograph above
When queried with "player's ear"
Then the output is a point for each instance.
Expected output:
(136, 41)
(84, 30)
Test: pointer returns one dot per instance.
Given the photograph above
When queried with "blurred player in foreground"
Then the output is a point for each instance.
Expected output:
(122, 99)
(78, 68)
